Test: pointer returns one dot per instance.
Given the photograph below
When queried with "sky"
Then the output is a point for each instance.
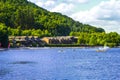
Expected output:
(99, 13)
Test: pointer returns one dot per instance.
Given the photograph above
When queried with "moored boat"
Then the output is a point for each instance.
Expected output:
(102, 49)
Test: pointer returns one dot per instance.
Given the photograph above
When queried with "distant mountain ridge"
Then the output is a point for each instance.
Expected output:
(27, 15)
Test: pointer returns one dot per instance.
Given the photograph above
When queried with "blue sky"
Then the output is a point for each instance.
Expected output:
(100, 13)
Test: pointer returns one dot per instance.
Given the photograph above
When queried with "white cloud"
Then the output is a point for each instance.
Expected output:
(64, 8)
(56, 6)
(46, 4)
(106, 15)
(82, 1)
(40, 4)
(78, 1)
(50, 3)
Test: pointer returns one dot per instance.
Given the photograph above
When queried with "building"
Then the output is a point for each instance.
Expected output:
(35, 41)
(60, 40)
(25, 41)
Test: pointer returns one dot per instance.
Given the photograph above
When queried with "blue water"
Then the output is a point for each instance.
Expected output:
(60, 64)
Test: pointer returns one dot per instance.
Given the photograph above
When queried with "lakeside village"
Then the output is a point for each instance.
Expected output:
(35, 41)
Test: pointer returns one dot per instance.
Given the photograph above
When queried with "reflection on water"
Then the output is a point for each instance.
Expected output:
(59, 64)
(23, 62)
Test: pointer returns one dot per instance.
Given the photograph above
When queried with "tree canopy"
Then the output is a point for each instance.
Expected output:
(27, 16)
(110, 39)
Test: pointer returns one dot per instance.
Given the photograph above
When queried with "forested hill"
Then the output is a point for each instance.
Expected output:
(26, 15)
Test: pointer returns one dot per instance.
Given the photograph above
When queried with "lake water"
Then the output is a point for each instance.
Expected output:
(60, 64)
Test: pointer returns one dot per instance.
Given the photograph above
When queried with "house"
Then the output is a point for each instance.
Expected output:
(30, 41)
(25, 41)
(60, 40)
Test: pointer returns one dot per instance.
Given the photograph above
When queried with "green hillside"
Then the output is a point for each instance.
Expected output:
(26, 16)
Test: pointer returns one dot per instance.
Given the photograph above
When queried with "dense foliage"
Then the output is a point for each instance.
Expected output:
(29, 32)
(27, 16)
(110, 39)
(3, 36)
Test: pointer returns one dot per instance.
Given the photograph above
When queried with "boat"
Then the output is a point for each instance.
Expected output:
(61, 50)
(102, 49)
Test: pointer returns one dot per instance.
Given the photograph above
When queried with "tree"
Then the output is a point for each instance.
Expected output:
(3, 36)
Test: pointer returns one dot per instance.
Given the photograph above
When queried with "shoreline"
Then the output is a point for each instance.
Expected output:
(57, 46)
(2, 49)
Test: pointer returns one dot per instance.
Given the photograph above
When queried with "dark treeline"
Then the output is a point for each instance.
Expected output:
(3, 36)
(111, 39)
